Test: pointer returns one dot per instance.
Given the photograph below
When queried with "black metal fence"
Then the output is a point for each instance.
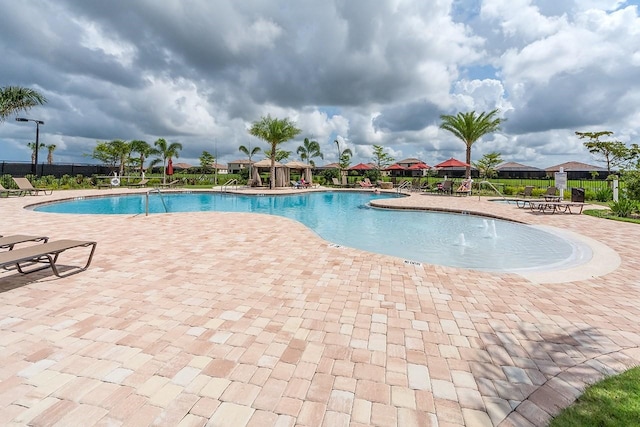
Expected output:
(57, 170)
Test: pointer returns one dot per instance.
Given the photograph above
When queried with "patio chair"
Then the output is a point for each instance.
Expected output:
(444, 187)
(550, 194)
(465, 188)
(139, 184)
(6, 192)
(337, 182)
(8, 242)
(295, 184)
(365, 184)
(527, 192)
(25, 185)
(172, 184)
(46, 253)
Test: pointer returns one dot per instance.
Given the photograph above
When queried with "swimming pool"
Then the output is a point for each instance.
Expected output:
(345, 218)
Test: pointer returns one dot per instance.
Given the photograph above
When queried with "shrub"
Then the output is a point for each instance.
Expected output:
(623, 207)
(603, 195)
(632, 184)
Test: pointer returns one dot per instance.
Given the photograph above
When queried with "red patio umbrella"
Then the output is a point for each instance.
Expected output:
(170, 167)
(451, 163)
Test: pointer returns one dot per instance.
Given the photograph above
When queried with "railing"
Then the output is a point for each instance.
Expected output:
(403, 186)
(230, 183)
(481, 183)
(146, 200)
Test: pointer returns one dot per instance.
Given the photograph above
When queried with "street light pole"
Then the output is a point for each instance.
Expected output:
(34, 167)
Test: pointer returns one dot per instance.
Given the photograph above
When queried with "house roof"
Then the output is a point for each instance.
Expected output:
(242, 162)
(419, 166)
(396, 166)
(513, 166)
(410, 161)
(182, 166)
(575, 167)
(329, 166)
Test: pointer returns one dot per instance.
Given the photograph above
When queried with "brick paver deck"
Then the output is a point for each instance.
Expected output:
(227, 319)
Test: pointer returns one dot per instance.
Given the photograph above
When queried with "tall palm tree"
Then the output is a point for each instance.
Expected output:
(143, 149)
(50, 149)
(166, 151)
(470, 127)
(274, 131)
(308, 150)
(14, 99)
(250, 154)
(33, 147)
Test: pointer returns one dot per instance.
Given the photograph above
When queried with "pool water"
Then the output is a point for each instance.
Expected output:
(345, 218)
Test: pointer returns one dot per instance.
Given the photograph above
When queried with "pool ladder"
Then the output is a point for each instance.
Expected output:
(403, 186)
(146, 201)
(230, 183)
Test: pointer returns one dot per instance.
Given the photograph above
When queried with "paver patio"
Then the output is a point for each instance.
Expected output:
(227, 319)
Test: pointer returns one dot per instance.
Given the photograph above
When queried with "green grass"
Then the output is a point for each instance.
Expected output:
(607, 214)
(614, 401)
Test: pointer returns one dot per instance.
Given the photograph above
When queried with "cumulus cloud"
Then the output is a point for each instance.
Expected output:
(360, 72)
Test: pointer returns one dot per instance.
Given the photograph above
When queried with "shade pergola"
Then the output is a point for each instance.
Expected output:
(305, 170)
(281, 171)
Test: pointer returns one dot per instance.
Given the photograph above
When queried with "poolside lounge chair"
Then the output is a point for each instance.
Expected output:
(6, 192)
(141, 183)
(550, 195)
(295, 184)
(172, 184)
(365, 183)
(527, 192)
(25, 185)
(46, 253)
(464, 189)
(8, 242)
(337, 183)
(444, 187)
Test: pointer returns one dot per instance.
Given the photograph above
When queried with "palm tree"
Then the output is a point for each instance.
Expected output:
(166, 151)
(50, 148)
(143, 149)
(14, 99)
(32, 145)
(275, 132)
(469, 128)
(308, 150)
(250, 154)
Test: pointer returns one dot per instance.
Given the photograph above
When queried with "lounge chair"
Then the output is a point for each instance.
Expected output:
(527, 192)
(172, 184)
(337, 183)
(444, 187)
(295, 184)
(366, 183)
(8, 242)
(465, 188)
(141, 183)
(25, 185)
(47, 253)
(10, 192)
(550, 195)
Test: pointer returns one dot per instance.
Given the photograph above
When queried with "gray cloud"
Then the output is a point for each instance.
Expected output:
(382, 72)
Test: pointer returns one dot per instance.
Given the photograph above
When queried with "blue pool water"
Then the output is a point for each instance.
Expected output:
(345, 218)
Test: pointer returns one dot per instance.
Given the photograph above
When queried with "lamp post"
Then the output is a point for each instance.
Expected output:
(34, 167)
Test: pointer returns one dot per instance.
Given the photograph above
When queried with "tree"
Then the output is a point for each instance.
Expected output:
(206, 161)
(144, 150)
(280, 154)
(380, 158)
(249, 153)
(274, 131)
(50, 150)
(612, 153)
(344, 158)
(112, 153)
(308, 150)
(470, 127)
(14, 99)
(487, 165)
(33, 147)
(166, 151)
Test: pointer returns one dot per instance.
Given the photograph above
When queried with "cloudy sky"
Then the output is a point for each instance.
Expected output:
(363, 72)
